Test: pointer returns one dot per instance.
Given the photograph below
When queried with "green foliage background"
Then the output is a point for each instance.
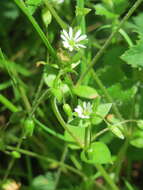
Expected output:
(35, 69)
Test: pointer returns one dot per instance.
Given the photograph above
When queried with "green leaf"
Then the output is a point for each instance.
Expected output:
(101, 112)
(32, 5)
(137, 139)
(136, 25)
(116, 127)
(98, 153)
(82, 11)
(103, 11)
(85, 92)
(128, 185)
(140, 124)
(44, 182)
(116, 130)
(57, 93)
(119, 93)
(134, 56)
(78, 132)
(120, 6)
(50, 74)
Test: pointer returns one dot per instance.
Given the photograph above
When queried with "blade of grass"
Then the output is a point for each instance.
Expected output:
(8, 104)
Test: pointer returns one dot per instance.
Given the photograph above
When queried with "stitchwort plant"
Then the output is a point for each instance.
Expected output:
(71, 109)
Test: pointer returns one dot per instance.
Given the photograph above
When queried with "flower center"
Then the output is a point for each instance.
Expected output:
(72, 43)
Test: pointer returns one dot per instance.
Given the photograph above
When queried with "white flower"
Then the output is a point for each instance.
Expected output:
(84, 111)
(72, 41)
(58, 1)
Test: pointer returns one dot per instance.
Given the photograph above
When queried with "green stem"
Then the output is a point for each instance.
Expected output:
(24, 98)
(99, 133)
(37, 102)
(50, 131)
(107, 95)
(126, 37)
(106, 177)
(45, 158)
(55, 15)
(38, 91)
(8, 104)
(58, 174)
(82, 24)
(108, 41)
(87, 136)
(12, 161)
(81, 18)
(22, 6)
(62, 122)
(120, 159)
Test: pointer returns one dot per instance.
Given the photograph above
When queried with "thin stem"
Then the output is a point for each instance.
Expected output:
(126, 37)
(120, 159)
(62, 122)
(87, 136)
(106, 177)
(82, 24)
(48, 130)
(107, 95)
(81, 18)
(45, 158)
(12, 161)
(58, 174)
(38, 101)
(100, 133)
(108, 41)
(38, 91)
(22, 6)
(8, 104)
(24, 98)
(55, 15)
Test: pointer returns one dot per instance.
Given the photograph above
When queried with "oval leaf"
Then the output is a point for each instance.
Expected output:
(78, 132)
(137, 139)
(101, 112)
(85, 92)
(116, 131)
(98, 153)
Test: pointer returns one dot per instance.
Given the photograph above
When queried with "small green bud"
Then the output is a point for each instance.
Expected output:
(46, 17)
(15, 154)
(29, 126)
(67, 109)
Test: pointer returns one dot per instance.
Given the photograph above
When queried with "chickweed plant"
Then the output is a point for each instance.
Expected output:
(71, 107)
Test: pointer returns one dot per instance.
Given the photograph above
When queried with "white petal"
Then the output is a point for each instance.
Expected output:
(66, 44)
(60, 1)
(78, 33)
(66, 34)
(63, 37)
(83, 37)
(70, 32)
(84, 105)
(75, 64)
(80, 46)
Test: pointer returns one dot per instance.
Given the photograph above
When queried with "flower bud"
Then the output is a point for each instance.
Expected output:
(28, 127)
(67, 109)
